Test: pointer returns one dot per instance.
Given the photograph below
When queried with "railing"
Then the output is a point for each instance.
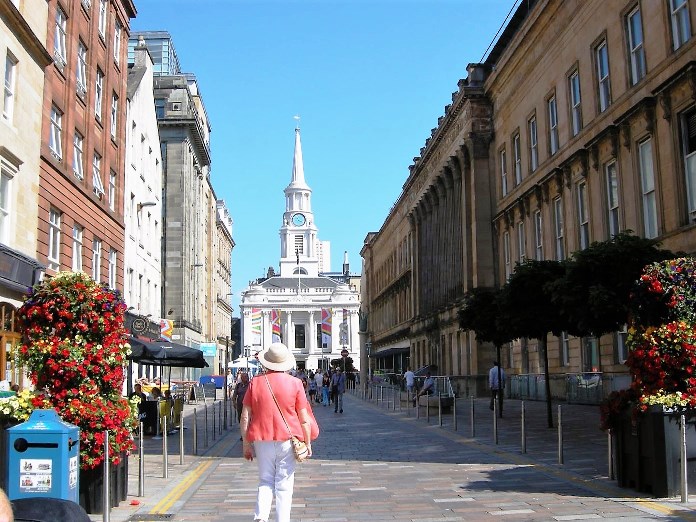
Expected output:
(577, 388)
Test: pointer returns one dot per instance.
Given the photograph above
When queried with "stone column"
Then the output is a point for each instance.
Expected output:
(289, 332)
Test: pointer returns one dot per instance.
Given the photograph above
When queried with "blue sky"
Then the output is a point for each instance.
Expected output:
(369, 79)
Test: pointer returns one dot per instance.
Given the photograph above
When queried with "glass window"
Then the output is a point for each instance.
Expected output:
(590, 354)
(102, 18)
(112, 190)
(533, 145)
(647, 180)
(98, 93)
(54, 239)
(553, 125)
(681, 27)
(583, 216)
(81, 71)
(5, 186)
(538, 236)
(55, 138)
(114, 115)
(604, 86)
(77, 248)
(575, 107)
(59, 53)
(518, 158)
(636, 50)
(117, 44)
(78, 168)
(9, 87)
(96, 259)
(688, 130)
(558, 227)
(96, 175)
(612, 198)
(300, 336)
(112, 268)
(503, 173)
(521, 242)
(159, 108)
(622, 344)
(564, 349)
(506, 255)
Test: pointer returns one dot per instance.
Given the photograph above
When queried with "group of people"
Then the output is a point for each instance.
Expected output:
(326, 387)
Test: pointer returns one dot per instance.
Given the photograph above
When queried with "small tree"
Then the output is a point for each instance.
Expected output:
(529, 311)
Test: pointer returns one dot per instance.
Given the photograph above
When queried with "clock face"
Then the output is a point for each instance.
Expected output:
(298, 220)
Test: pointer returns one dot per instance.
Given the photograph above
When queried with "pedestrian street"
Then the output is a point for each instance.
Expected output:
(374, 463)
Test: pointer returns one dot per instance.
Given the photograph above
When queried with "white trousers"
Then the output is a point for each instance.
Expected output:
(276, 463)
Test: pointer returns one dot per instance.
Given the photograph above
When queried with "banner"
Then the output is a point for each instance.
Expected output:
(256, 324)
(326, 327)
(276, 335)
(344, 328)
(166, 329)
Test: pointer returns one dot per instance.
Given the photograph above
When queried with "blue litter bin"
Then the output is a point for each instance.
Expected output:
(43, 458)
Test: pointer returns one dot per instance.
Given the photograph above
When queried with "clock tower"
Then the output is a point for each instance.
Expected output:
(298, 235)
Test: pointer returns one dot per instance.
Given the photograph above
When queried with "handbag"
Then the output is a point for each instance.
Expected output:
(299, 447)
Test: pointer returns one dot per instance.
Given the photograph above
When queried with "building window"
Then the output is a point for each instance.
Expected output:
(647, 182)
(503, 173)
(81, 71)
(575, 107)
(506, 255)
(521, 242)
(96, 259)
(538, 237)
(5, 202)
(78, 168)
(299, 244)
(681, 27)
(10, 86)
(131, 286)
(77, 248)
(583, 216)
(553, 125)
(518, 158)
(622, 344)
(533, 144)
(102, 18)
(612, 198)
(112, 190)
(96, 175)
(558, 228)
(603, 83)
(159, 108)
(54, 239)
(564, 349)
(98, 93)
(688, 131)
(114, 115)
(636, 51)
(117, 44)
(86, 4)
(55, 139)
(112, 268)
(59, 53)
(590, 354)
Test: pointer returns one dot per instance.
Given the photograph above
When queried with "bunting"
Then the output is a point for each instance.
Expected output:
(275, 327)
(326, 327)
(166, 329)
(256, 320)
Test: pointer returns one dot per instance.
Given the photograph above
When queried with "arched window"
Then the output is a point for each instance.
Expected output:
(301, 271)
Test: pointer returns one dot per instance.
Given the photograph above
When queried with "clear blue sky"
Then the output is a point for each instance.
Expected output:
(369, 79)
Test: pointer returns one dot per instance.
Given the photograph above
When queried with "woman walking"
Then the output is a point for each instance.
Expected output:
(275, 405)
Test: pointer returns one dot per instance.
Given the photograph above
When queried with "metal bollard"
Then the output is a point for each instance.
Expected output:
(495, 422)
(214, 428)
(106, 501)
(394, 399)
(381, 394)
(195, 433)
(141, 463)
(524, 429)
(473, 428)
(417, 402)
(684, 471)
(427, 409)
(439, 408)
(165, 449)
(610, 456)
(205, 440)
(220, 408)
(181, 439)
(560, 436)
(454, 412)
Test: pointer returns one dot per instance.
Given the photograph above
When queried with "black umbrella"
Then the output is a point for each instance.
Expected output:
(162, 353)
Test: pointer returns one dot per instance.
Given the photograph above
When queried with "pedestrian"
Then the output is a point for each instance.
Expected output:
(312, 388)
(229, 383)
(410, 379)
(496, 382)
(325, 387)
(319, 380)
(274, 405)
(238, 393)
(338, 388)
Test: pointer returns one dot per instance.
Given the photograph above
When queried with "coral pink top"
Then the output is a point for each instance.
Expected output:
(266, 422)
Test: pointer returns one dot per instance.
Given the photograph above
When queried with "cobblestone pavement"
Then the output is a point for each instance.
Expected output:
(380, 462)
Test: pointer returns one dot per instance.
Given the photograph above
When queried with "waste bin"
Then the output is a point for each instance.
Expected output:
(43, 458)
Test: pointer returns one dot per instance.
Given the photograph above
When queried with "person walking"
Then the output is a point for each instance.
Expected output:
(239, 392)
(274, 405)
(338, 388)
(319, 379)
(325, 387)
(410, 379)
(496, 383)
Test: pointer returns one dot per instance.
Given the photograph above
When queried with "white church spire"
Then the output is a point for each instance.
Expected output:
(298, 179)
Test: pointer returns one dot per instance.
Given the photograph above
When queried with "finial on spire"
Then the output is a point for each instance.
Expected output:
(297, 119)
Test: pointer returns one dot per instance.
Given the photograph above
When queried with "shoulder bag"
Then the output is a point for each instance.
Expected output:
(298, 447)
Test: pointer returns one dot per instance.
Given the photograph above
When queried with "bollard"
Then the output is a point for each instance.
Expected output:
(417, 403)
(205, 424)
(427, 409)
(195, 433)
(684, 471)
(560, 436)
(165, 449)
(220, 408)
(181, 439)
(454, 412)
(524, 429)
(610, 456)
(394, 399)
(439, 408)
(106, 501)
(214, 428)
(381, 394)
(495, 422)
(473, 426)
(141, 463)
(158, 427)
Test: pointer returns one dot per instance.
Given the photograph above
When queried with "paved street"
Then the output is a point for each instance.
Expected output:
(376, 463)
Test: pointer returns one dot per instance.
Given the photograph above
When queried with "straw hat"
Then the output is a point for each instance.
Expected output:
(277, 357)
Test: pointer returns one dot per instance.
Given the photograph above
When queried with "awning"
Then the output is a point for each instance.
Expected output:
(161, 353)
(391, 351)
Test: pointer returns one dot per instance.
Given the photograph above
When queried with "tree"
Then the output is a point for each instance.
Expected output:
(595, 293)
(527, 305)
(482, 315)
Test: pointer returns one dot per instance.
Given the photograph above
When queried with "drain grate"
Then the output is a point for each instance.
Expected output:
(151, 518)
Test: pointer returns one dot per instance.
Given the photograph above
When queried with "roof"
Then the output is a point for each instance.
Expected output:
(292, 282)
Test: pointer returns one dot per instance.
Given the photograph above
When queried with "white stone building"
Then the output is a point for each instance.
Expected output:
(314, 315)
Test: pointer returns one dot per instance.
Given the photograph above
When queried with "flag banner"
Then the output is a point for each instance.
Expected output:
(166, 329)
(276, 334)
(344, 327)
(256, 324)
(326, 327)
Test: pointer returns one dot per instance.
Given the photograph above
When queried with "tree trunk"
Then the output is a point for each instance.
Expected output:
(547, 381)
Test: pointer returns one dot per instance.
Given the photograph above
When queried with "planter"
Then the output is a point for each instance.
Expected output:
(92, 486)
(648, 453)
